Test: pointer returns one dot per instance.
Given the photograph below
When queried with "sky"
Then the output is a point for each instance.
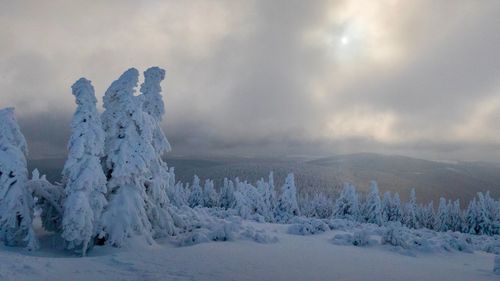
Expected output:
(268, 78)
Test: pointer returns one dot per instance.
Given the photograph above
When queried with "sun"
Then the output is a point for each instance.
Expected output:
(344, 40)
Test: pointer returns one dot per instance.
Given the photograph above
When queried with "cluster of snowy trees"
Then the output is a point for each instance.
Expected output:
(263, 202)
(260, 202)
(482, 216)
(115, 183)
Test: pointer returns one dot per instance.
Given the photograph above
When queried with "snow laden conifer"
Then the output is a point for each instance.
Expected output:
(410, 211)
(287, 203)
(471, 221)
(160, 182)
(129, 153)
(226, 196)
(248, 201)
(347, 204)
(16, 202)
(372, 210)
(268, 195)
(396, 211)
(321, 206)
(386, 206)
(455, 213)
(442, 216)
(426, 215)
(83, 177)
(210, 196)
(486, 214)
(196, 197)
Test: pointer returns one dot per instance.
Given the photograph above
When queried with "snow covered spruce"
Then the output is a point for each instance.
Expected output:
(83, 177)
(116, 185)
(16, 202)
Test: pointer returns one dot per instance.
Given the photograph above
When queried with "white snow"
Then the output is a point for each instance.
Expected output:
(293, 257)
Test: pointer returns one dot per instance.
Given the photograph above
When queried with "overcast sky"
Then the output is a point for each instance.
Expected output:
(418, 78)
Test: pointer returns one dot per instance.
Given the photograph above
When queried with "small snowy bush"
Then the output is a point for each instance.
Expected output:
(258, 235)
(341, 224)
(308, 227)
(342, 239)
(396, 235)
(361, 238)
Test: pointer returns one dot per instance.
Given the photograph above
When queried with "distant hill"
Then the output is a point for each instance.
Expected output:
(431, 179)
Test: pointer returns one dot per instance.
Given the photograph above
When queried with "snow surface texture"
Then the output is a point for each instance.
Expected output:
(292, 258)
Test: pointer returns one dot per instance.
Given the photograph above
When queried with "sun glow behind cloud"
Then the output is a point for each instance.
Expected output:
(394, 72)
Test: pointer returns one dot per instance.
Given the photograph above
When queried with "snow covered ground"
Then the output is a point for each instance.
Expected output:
(293, 257)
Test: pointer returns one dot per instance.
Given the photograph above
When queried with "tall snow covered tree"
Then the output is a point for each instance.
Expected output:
(455, 216)
(471, 221)
(485, 214)
(83, 177)
(386, 206)
(347, 205)
(442, 216)
(410, 211)
(248, 201)
(129, 153)
(196, 197)
(287, 203)
(426, 215)
(268, 196)
(226, 196)
(396, 211)
(159, 181)
(154, 106)
(210, 196)
(16, 202)
(372, 210)
(322, 206)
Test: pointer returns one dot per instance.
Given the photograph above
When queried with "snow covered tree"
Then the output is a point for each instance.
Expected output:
(156, 186)
(153, 105)
(386, 206)
(83, 177)
(210, 196)
(248, 201)
(128, 149)
(410, 211)
(426, 215)
(493, 212)
(49, 198)
(347, 205)
(16, 202)
(396, 211)
(455, 216)
(485, 215)
(226, 196)
(179, 195)
(442, 216)
(268, 195)
(372, 210)
(196, 197)
(322, 206)
(287, 203)
(471, 224)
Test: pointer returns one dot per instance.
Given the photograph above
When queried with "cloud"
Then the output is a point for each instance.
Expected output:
(260, 77)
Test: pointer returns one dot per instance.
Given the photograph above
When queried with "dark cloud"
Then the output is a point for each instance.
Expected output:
(269, 77)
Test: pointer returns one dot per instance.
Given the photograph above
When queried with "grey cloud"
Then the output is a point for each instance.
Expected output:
(242, 76)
